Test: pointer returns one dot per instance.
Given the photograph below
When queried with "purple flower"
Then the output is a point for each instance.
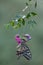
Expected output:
(18, 39)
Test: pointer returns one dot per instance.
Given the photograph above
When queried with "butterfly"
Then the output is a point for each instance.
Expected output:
(25, 52)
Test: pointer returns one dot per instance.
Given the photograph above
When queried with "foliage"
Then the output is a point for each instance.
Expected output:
(17, 23)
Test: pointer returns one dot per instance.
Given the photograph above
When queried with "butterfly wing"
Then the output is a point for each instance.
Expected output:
(27, 54)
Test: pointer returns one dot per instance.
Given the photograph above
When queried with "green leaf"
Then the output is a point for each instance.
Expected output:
(12, 23)
(33, 13)
(28, 15)
(23, 21)
(27, 4)
(19, 20)
(15, 26)
(35, 4)
(19, 25)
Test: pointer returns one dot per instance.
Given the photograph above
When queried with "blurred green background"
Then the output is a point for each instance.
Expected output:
(8, 11)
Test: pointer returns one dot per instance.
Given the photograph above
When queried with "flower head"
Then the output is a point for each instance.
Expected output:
(18, 39)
